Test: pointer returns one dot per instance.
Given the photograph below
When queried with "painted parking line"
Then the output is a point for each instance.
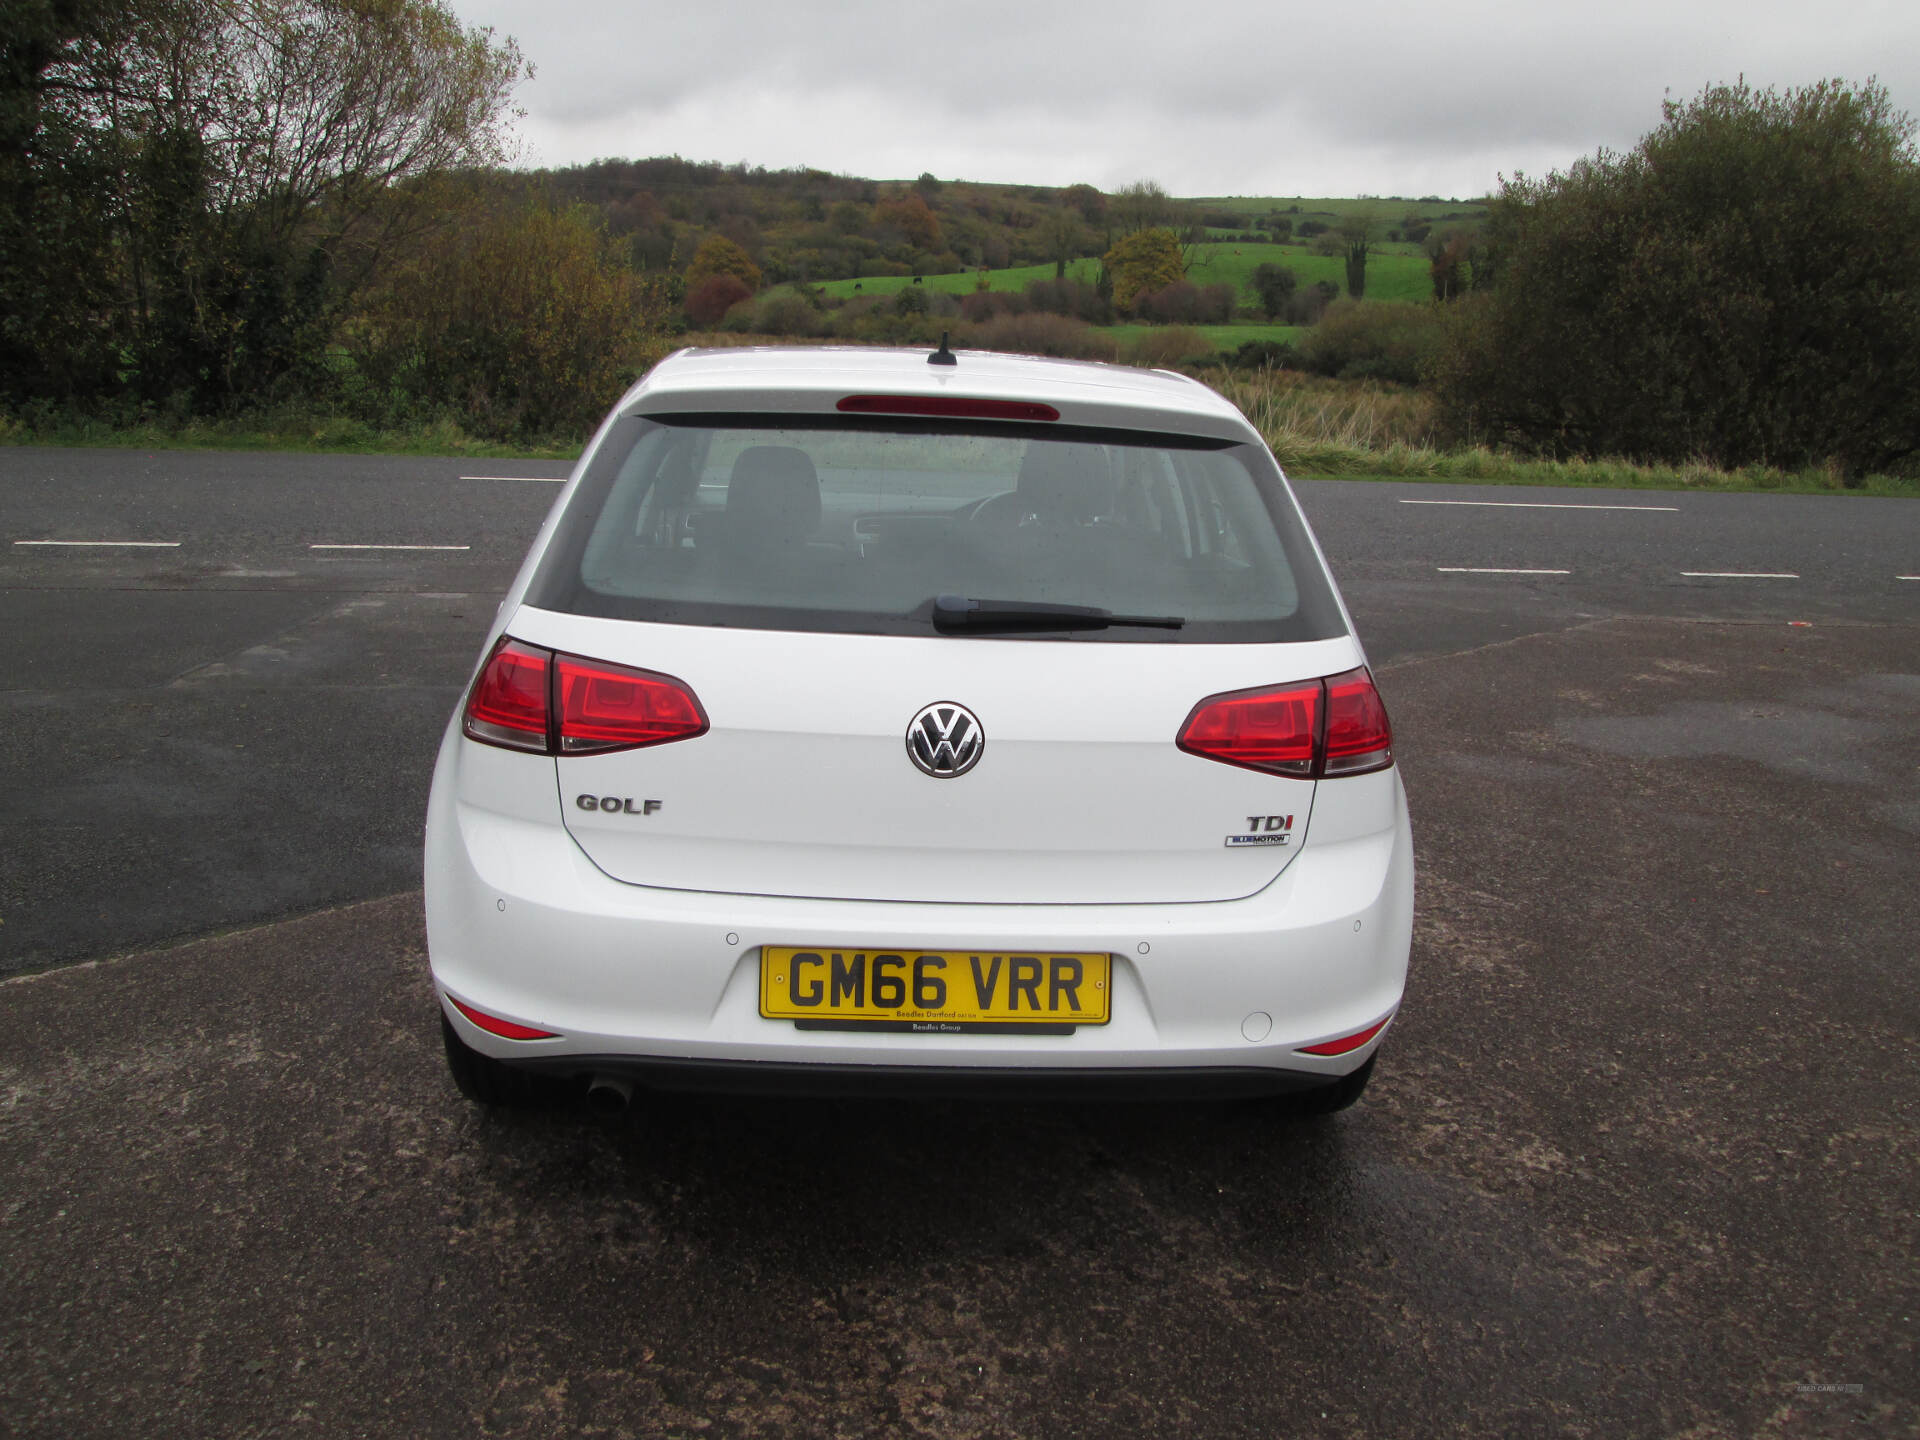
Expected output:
(389, 547)
(107, 544)
(529, 479)
(1907, 577)
(1541, 505)
(1488, 570)
(1739, 575)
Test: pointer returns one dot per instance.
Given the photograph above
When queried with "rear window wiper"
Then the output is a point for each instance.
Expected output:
(954, 613)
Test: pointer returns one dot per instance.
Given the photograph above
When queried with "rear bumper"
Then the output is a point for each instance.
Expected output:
(663, 984)
(840, 1081)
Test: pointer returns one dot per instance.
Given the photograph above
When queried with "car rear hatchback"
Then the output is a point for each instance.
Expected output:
(862, 723)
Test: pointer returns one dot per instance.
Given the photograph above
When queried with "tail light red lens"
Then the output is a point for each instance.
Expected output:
(1271, 730)
(508, 703)
(1330, 727)
(609, 707)
(532, 699)
(1359, 738)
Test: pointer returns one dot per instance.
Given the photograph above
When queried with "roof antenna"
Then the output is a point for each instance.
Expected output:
(942, 356)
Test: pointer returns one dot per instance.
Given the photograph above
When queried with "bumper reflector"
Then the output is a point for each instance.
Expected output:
(1346, 1043)
(494, 1025)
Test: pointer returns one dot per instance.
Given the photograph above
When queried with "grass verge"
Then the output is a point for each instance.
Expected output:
(1308, 460)
(1358, 429)
(1487, 468)
(289, 431)
(1318, 429)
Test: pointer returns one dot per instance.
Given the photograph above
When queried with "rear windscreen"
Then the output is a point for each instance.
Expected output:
(838, 525)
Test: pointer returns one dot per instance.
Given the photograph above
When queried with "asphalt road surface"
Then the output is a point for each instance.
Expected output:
(1641, 1157)
(221, 708)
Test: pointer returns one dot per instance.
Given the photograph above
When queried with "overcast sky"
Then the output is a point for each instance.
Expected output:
(1378, 97)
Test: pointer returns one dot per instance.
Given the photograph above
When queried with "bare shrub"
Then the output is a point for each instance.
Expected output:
(1070, 297)
(1305, 307)
(1039, 334)
(785, 313)
(1165, 348)
(1184, 303)
(714, 297)
(874, 320)
(984, 305)
(1175, 304)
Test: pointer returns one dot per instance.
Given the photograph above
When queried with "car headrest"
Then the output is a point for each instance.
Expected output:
(1065, 482)
(773, 496)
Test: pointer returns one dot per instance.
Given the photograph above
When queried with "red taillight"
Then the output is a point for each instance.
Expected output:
(1359, 738)
(1330, 727)
(508, 703)
(599, 706)
(1272, 730)
(494, 1025)
(609, 707)
(958, 405)
(1345, 1042)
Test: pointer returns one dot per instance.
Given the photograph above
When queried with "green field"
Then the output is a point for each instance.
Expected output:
(1394, 272)
(963, 282)
(1320, 207)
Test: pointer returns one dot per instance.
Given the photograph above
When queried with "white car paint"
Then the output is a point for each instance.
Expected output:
(634, 931)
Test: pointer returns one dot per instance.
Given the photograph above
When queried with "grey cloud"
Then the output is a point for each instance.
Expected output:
(1004, 90)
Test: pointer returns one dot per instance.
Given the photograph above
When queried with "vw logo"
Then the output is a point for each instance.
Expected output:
(945, 740)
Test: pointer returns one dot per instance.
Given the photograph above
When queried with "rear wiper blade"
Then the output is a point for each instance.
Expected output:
(957, 612)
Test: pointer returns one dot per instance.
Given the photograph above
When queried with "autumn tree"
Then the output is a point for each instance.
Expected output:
(718, 255)
(912, 217)
(522, 322)
(1142, 263)
(1085, 199)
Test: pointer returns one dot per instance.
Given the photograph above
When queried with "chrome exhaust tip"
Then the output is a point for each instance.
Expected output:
(609, 1094)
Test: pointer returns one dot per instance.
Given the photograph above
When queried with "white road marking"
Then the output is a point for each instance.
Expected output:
(529, 479)
(1540, 505)
(107, 544)
(1481, 570)
(1907, 577)
(1739, 575)
(389, 547)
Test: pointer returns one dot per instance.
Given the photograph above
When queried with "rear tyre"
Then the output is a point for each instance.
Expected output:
(1331, 1099)
(486, 1081)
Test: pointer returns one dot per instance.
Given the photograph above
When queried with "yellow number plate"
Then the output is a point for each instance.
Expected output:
(934, 991)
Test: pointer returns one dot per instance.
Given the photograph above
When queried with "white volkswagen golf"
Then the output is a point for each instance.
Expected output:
(865, 720)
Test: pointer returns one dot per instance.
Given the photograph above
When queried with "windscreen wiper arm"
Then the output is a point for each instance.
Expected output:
(953, 613)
